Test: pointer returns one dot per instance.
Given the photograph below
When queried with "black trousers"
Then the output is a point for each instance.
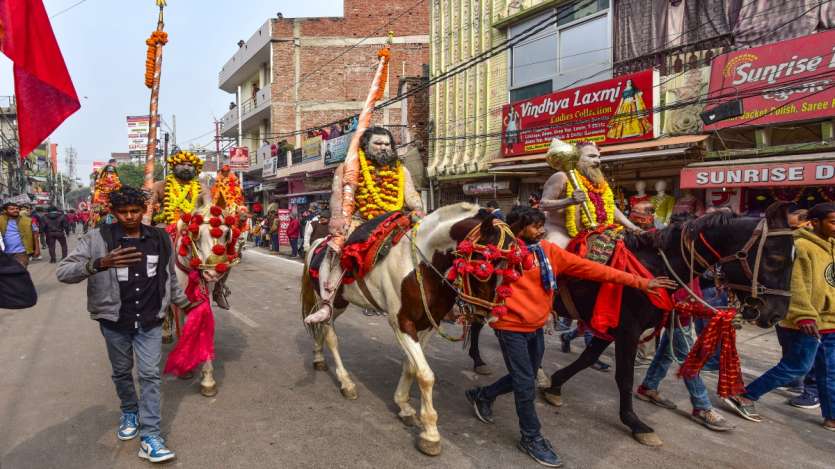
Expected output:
(50, 241)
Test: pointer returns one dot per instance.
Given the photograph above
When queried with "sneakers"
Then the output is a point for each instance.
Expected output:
(153, 449)
(600, 366)
(540, 450)
(807, 400)
(829, 424)
(712, 420)
(565, 338)
(746, 411)
(482, 409)
(128, 426)
(654, 397)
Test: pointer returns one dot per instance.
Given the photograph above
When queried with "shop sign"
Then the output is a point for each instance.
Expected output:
(283, 222)
(138, 128)
(336, 149)
(268, 168)
(719, 198)
(781, 82)
(806, 173)
(17, 199)
(487, 188)
(300, 200)
(97, 165)
(312, 148)
(239, 158)
(611, 111)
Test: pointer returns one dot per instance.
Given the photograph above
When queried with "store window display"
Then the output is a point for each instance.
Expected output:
(663, 204)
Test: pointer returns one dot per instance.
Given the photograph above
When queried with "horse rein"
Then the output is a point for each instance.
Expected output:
(758, 237)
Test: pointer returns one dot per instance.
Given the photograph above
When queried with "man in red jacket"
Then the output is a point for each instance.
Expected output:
(520, 330)
(293, 231)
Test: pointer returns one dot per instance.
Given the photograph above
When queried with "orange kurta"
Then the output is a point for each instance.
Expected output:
(529, 306)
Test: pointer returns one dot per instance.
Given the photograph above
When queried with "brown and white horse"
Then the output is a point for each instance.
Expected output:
(416, 297)
(196, 240)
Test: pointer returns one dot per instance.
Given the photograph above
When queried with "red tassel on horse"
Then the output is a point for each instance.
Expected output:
(197, 343)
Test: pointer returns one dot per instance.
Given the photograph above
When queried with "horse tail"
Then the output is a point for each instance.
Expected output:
(308, 302)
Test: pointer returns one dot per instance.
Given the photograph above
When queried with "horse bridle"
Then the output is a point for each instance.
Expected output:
(758, 237)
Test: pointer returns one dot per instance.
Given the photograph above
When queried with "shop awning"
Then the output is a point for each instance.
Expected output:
(666, 146)
(799, 170)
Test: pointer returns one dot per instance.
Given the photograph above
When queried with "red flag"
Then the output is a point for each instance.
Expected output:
(44, 90)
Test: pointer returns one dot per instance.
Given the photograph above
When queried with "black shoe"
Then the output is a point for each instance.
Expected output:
(483, 410)
(52, 261)
(540, 450)
(566, 343)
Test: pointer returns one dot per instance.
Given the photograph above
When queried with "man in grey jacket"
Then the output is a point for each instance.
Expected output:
(129, 268)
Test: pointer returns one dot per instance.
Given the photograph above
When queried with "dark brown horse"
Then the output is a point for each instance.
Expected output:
(737, 243)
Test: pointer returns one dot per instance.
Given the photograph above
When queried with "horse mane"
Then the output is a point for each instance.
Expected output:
(662, 239)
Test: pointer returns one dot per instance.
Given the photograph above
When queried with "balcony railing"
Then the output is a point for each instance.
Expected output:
(249, 108)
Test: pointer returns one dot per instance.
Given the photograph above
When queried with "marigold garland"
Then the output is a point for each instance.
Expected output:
(227, 187)
(602, 206)
(157, 39)
(179, 199)
(388, 196)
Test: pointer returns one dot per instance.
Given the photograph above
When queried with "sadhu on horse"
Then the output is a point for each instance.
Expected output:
(204, 226)
(752, 254)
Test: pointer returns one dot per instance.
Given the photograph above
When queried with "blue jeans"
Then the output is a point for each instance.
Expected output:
(800, 353)
(147, 345)
(274, 242)
(657, 370)
(294, 247)
(522, 352)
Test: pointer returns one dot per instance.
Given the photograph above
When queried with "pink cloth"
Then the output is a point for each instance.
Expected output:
(197, 344)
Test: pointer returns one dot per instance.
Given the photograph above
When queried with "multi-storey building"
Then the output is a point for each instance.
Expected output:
(295, 76)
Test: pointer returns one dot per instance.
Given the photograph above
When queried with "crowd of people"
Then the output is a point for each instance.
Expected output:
(26, 230)
(301, 230)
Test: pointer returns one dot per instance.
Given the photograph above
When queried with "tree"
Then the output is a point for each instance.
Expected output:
(76, 196)
(133, 174)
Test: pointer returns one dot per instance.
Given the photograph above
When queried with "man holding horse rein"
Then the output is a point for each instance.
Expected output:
(385, 185)
(135, 262)
(520, 330)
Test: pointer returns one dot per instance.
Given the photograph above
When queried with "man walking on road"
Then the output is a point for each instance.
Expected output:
(808, 331)
(136, 261)
(20, 235)
(293, 231)
(56, 227)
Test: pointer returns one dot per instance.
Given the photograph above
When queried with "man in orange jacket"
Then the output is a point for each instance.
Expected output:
(520, 330)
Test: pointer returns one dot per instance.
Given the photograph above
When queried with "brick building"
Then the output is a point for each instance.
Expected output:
(297, 74)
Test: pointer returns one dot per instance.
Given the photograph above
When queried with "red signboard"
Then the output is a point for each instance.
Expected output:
(283, 223)
(781, 82)
(239, 159)
(612, 111)
(804, 173)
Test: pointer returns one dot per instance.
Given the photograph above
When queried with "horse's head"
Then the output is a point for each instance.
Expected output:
(756, 258)
(487, 259)
(208, 241)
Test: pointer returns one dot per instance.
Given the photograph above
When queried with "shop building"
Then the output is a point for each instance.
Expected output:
(297, 83)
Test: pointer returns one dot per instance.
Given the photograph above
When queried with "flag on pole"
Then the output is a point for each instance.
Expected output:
(44, 91)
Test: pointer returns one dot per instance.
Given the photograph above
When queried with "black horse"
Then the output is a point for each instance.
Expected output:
(718, 238)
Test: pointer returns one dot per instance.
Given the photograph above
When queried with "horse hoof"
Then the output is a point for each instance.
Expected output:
(553, 399)
(648, 439)
(429, 448)
(410, 420)
(483, 370)
(349, 393)
(208, 391)
(167, 339)
(320, 366)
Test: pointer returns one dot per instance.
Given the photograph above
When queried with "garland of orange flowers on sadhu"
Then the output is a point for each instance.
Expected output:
(228, 187)
(381, 189)
(157, 39)
(223, 255)
(602, 206)
(180, 198)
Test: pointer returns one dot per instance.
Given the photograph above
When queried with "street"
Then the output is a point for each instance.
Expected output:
(58, 407)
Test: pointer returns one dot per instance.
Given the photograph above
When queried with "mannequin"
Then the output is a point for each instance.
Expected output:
(663, 204)
(690, 204)
(641, 196)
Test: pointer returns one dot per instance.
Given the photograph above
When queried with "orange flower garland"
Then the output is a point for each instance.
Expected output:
(227, 187)
(381, 189)
(157, 39)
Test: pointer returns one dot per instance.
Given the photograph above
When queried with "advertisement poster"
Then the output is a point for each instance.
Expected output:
(781, 82)
(138, 133)
(97, 165)
(336, 149)
(283, 223)
(239, 158)
(607, 112)
(312, 148)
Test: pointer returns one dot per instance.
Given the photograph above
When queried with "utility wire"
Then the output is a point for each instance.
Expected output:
(68, 8)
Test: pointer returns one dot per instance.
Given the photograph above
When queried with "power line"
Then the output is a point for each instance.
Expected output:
(68, 8)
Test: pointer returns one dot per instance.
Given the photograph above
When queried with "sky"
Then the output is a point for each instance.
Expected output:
(103, 42)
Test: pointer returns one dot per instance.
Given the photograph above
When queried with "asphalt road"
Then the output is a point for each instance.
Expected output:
(58, 408)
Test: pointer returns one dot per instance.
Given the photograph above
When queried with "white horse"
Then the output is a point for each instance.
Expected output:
(414, 309)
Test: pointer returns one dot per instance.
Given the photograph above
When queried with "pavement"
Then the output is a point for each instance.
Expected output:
(58, 408)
